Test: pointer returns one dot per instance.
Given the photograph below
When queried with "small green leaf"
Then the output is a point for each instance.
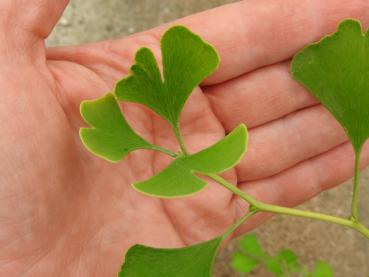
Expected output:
(322, 269)
(242, 263)
(179, 178)
(336, 71)
(110, 137)
(253, 251)
(194, 261)
(250, 245)
(289, 260)
(274, 267)
(187, 60)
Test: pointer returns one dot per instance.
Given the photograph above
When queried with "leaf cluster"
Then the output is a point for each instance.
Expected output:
(335, 70)
(285, 263)
(187, 60)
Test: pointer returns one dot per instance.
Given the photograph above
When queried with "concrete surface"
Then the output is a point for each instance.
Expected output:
(347, 252)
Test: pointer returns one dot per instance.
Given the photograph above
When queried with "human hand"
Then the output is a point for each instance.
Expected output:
(66, 212)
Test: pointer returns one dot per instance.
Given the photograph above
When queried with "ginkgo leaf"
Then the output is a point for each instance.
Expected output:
(250, 245)
(253, 255)
(110, 137)
(336, 71)
(187, 60)
(322, 269)
(243, 264)
(179, 178)
(289, 260)
(195, 261)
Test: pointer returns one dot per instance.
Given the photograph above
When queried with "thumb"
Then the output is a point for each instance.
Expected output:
(25, 22)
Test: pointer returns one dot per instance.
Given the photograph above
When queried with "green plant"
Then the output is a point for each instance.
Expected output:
(335, 70)
(285, 264)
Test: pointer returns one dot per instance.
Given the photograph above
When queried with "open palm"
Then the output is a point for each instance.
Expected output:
(65, 212)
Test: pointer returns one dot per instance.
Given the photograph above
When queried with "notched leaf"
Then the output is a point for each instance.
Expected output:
(336, 71)
(109, 137)
(187, 60)
(155, 262)
(179, 178)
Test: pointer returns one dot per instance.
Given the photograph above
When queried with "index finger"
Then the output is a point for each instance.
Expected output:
(255, 33)
(248, 34)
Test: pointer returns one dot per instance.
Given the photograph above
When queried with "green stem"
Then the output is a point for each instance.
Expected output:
(257, 205)
(238, 223)
(355, 195)
(180, 140)
(164, 150)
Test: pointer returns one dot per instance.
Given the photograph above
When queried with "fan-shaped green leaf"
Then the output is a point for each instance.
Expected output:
(187, 60)
(288, 260)
(179, 177)
(194, 261)
(322, 269)
(250, 245)
(110, 137)
(243, 264)
(336, 71)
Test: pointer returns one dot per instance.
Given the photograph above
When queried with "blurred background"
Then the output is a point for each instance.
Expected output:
(347, 252)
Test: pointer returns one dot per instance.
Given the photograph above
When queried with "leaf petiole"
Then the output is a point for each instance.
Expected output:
(238, 223)
(258, 206)
(165, 151)
(355, 195)
(265, 207)
(180, 140)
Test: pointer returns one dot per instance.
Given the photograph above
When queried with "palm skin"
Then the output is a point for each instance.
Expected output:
(66, 212)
